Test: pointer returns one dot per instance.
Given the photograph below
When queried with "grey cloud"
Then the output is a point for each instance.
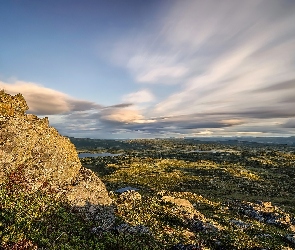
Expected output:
(46, 101)
(289, 99)
(45, 104)
(289, 124)
(105, 126)
(81, 105)
(286, 85)
(178, 123)
(120, 105)
(268, 113)
(82, 115)
(110, 120)
(231, 70)
(195, 122)
(258, 113)
(110, 116)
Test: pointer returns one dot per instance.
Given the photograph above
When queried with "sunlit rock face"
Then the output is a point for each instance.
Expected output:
(28, 144)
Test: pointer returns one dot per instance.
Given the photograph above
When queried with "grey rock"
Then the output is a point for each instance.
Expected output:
(239, 224)
(204, 226)
(185, 247)
(138, 229)
(125, 189)
(291, 238)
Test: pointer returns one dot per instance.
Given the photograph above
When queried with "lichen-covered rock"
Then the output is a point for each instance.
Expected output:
(193, 218)
(26, 140)
(44, 156)
(265, 212)
(184, 207)
(11, 105)
(87, 189)
(129, 197)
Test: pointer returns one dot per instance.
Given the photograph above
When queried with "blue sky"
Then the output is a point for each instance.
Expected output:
(144, 69)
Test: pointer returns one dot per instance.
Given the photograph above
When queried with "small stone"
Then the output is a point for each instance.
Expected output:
(239, 223)
(92, 210)
(185, 247)
(291, 238)
(125, 189)
(204, 226)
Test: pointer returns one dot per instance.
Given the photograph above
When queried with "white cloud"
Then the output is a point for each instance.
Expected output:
(120, 115)
(156, 74)
(141, 96)
(220, 54)
(204, 132)
(221, 57)
(256, 54)
(155, 68)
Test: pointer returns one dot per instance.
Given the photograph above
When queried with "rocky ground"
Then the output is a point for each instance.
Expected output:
(239, 198)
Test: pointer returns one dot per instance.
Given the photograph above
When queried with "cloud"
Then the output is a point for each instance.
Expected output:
(251, 72)
(108, 120)
(204, 132)
(118, 115)
(289, 124)
(154, 68)
(230, 63)
(284, 92)
(281, 86)
(156, 74)
(46, 101)
(228, 57)
(81, 105)
(141, 96)
(121, 105)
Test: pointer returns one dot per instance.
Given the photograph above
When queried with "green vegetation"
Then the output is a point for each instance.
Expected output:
(191, 195)
(242, 195)
(41, 220)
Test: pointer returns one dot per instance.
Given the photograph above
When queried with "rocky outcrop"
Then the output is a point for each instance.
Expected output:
(186, 212)
(30, 145)
(265, 212)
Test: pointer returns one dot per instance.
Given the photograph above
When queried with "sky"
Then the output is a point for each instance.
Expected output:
(150, 69)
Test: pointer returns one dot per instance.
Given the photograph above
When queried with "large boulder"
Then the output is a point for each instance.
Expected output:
(28, 144)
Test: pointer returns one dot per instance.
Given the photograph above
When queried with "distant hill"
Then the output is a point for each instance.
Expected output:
(275, 140)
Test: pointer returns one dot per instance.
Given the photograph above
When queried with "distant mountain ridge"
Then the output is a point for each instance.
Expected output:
(290, 140)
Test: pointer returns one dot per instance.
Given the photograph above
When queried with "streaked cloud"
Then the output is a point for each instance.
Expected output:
(121, 105)
(232, 62)
(141, 96)
(202, 67)
(154, 68)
